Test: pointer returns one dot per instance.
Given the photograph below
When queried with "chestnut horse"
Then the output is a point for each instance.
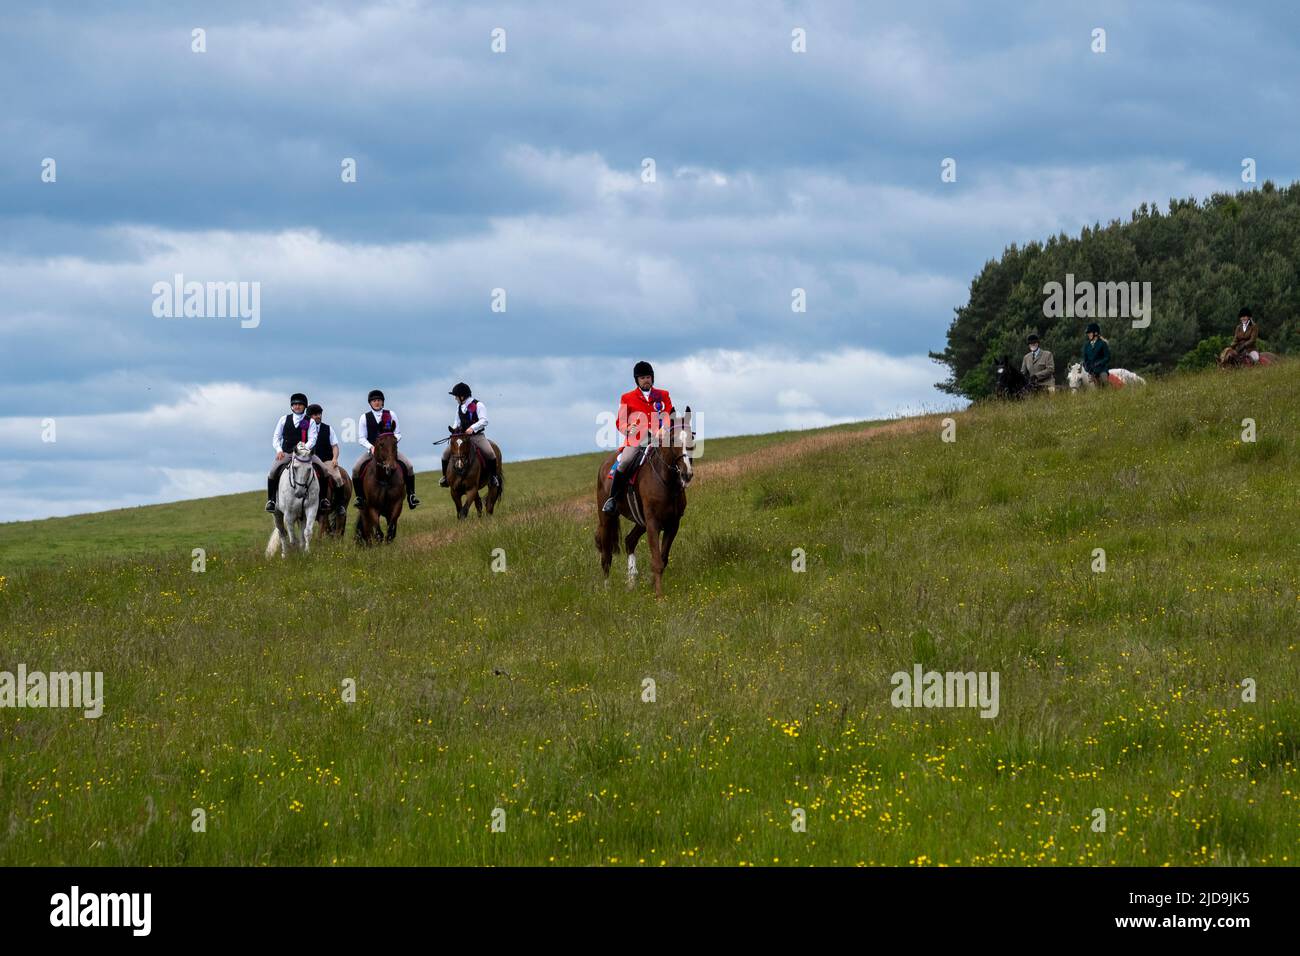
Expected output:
(466, 474)
(654, 503)
(334, 523)
(383, 486)
(1229, 358)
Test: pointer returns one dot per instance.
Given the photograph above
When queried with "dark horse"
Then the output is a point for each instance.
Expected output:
(467, 474)
(335, 522)
(1229, 358)
(654, 503)
(1009, 383)
(383, 487)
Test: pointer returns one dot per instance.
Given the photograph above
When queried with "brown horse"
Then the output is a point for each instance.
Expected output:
(383, 486)
(335, 523)
(1229, 358)
(466, 474)
(654, 504)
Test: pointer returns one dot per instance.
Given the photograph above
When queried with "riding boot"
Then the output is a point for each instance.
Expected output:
(620, 482)
(270, 493)
(324, 481)
(442, 482)
(411, 500)
(494, 476)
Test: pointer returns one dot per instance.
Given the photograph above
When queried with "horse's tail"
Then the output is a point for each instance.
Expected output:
(607, 527)
(273, 544)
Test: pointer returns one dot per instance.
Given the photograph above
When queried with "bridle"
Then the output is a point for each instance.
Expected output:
(656, 459)
(460, 454)
(300, 487)
(386, 467)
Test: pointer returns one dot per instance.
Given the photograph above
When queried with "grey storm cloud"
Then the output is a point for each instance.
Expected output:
(523, 171)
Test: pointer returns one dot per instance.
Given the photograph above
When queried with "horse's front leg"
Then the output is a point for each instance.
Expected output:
(284, 533)
(461, 511)
(478, 503)
(392, 528)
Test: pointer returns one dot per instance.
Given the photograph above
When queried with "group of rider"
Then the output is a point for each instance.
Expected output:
(643, 411)
(1039, 367)
(304, 423)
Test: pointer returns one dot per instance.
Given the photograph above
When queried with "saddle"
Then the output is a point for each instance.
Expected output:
(634, 470)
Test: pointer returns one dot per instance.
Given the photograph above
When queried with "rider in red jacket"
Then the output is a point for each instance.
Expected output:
(642, 414)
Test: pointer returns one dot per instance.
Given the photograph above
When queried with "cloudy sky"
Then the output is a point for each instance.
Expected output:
(525, 170)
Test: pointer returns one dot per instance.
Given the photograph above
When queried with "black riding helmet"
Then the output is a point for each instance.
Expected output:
(460, 390)
(1245, 313)
(297, 398)
(1093, 327)
(375, 393)
(643, 368)
(314, 410)
(1033, 337)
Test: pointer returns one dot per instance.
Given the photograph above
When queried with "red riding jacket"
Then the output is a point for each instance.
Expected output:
(637, 414)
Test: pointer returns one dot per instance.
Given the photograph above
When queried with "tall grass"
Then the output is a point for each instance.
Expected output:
(525, 690)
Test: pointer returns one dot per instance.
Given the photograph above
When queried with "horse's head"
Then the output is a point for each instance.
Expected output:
(1074, 376)
(462, 452)
(385, 453)
(681, 445)
(300, 469)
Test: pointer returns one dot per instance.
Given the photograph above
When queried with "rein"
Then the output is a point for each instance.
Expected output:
(662, 470)
(384, 475)
(293, 483)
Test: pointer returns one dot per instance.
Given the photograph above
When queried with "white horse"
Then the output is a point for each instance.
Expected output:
(1119, 377)
(296, 503)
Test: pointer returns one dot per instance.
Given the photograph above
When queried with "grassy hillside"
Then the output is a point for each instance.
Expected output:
(522, 690)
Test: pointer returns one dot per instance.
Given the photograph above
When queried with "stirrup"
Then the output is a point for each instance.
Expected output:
(443, 483)
(610, 505)
(270, 506)
(412, 501)
(361, 502)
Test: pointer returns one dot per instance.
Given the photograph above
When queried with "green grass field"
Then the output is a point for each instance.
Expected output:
(523, 690)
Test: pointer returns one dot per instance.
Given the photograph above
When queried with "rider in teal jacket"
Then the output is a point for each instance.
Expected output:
(1096, 355)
